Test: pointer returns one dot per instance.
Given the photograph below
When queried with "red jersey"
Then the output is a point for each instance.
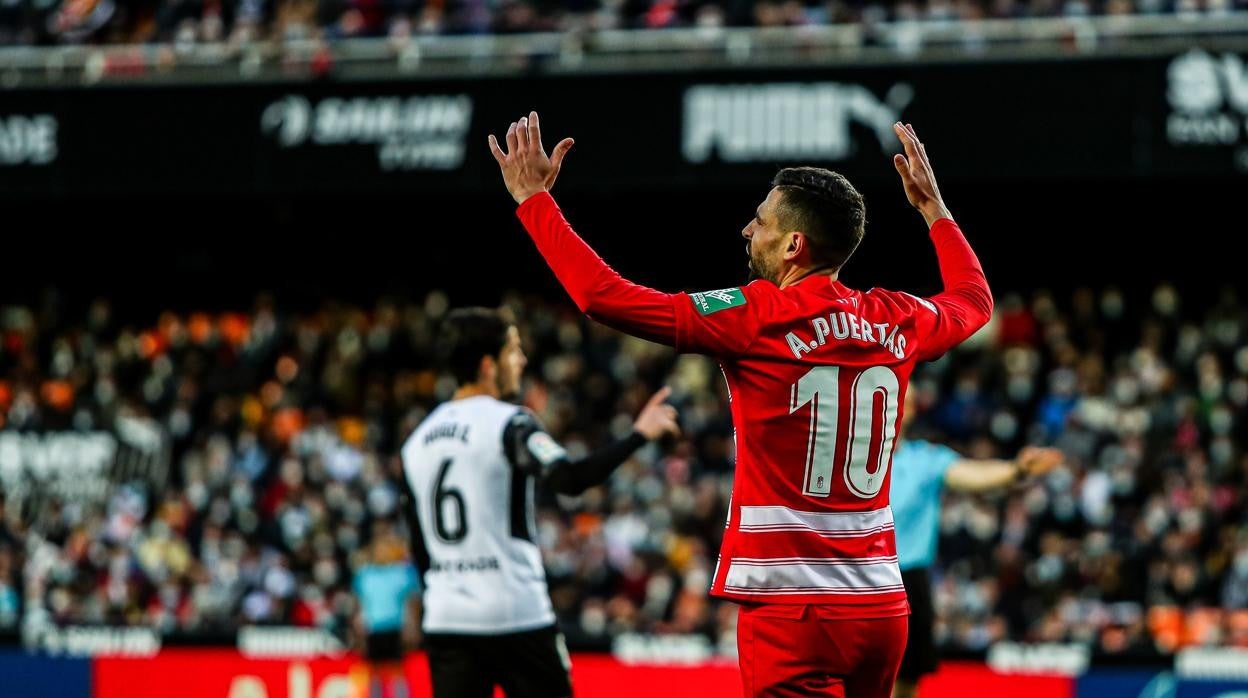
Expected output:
(817, 374)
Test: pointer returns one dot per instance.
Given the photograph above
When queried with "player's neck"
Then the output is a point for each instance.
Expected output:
(475, 390)
(796, 274)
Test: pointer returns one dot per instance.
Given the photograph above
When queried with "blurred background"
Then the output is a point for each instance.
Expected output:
(232, 227)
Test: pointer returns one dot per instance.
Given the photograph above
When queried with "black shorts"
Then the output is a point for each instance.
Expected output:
(530, 664)
(920, 657)
(383, 647)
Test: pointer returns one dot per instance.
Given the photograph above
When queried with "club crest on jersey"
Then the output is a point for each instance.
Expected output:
(544, 448)
(708, 302)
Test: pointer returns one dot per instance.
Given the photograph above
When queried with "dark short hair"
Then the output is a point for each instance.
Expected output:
(826, 207)
(468, 335)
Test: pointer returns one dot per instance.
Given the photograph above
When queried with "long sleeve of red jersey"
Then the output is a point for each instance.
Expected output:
(597, 289)
(965, 304)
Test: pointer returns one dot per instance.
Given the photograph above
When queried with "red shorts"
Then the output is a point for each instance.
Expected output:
(799, 651)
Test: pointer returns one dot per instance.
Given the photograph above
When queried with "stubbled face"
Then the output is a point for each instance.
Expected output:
(766, 239)
(511, 363)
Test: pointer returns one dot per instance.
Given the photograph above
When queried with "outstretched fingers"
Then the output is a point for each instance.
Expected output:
(908, 142)
(557, 155)
(498, 153)
(522, 134)
(921, 148)
(513, 141)
(535, 131)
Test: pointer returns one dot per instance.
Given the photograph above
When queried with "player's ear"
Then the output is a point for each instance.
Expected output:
(487, 369)
(796, 245)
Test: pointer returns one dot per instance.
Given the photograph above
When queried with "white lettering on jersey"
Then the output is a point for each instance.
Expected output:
(847, 325)
(796, 345)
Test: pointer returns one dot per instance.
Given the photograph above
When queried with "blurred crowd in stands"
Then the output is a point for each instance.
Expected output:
(184, 23)
(281, 432)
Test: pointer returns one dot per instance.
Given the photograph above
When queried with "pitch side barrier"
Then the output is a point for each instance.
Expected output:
(303, 663)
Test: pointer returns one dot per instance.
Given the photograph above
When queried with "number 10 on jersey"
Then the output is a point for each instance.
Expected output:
(821, 389)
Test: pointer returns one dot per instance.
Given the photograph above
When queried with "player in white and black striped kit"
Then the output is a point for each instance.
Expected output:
(472, 468)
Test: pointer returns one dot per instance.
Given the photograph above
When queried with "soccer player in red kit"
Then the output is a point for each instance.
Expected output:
(817, 374)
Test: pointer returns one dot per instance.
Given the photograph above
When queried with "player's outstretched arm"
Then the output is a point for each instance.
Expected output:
(597, 289)
(966, 302)
(983, 475)
(530, 449)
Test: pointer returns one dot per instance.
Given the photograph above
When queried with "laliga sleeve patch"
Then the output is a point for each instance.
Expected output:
(708, 302)
(545, 449)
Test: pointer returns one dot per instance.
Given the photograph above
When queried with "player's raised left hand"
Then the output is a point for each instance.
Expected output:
(526, 168)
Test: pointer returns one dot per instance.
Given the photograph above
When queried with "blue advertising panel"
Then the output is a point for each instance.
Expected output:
(38, 676)
(1153, 684)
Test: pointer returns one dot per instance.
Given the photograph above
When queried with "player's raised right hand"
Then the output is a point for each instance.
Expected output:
(657, 418)
(917, 177)
(526, 168)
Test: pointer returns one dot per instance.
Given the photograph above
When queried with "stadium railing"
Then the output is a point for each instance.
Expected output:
(628, 50)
